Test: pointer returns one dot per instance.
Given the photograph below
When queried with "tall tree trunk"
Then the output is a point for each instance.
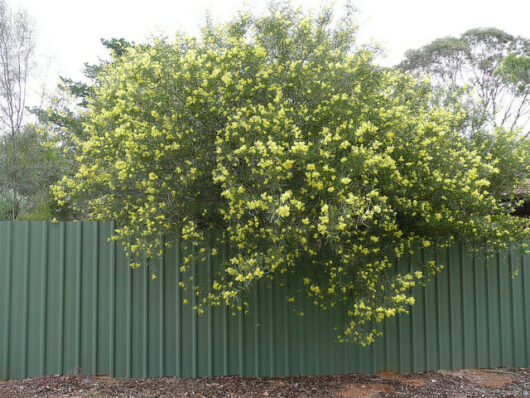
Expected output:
(14, 186)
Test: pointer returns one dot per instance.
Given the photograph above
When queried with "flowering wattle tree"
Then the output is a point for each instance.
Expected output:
(281, 132)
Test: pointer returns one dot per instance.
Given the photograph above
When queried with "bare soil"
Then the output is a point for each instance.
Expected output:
(504, 382)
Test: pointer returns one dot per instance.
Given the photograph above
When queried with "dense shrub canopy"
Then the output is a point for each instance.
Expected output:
(284, 134)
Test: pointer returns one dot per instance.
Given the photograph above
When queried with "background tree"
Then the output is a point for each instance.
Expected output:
(38, 166)
(17, 42)
(470, 65)
(284, 134)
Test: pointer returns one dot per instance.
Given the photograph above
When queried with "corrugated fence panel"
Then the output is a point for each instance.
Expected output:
(71, 303)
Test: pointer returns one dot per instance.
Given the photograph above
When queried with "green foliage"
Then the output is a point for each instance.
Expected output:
(42, 211)
(516, 70)
(282, 133)
(38, 165)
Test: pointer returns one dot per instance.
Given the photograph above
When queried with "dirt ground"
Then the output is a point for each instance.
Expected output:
(505, 382)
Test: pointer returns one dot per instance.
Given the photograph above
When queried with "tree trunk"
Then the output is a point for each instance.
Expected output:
(14, 187)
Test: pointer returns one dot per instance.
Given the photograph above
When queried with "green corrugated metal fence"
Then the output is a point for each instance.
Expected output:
(70, 303)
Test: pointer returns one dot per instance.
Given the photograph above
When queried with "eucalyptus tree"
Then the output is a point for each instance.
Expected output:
(17, 56)
(476, 65)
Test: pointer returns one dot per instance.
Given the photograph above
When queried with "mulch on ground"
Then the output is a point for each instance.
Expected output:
(505, 382)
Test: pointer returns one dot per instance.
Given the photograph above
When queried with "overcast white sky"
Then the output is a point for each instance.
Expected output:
(69, 31)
